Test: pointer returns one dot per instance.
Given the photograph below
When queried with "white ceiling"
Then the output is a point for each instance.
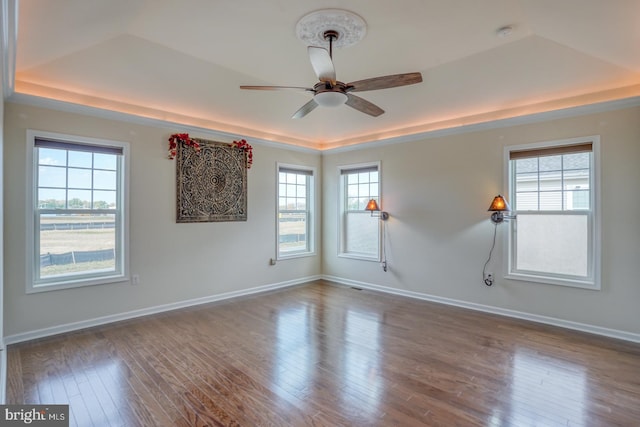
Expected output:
(183, 61)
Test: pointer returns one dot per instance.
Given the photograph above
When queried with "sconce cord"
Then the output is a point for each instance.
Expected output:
(489, 282)
(384, 246)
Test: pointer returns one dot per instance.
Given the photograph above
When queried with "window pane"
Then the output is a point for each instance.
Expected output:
(527, 182)
(555, 244)
(550, 181)
(361, 233)
(373, 188)
(51, 199)
(352, 191)
(282, 203)
(293, 232)
(576, 177)
(550, 163)
(526, 202)
(104, 180)
(527, 165)
(576, 161)
(104, 199)
(51, 176)
(80, 159)
(105, 161)
(79, 199)
(577, 199)
(353, 203)
(373, 176)
(76, 244)
(301, 191)
(291, 190)
(352, 178)
(48, 156)
(363, 190)
(79, 178)
(551, 201)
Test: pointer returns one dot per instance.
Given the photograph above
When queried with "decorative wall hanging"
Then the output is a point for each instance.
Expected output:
(181, 138)
(211, 179)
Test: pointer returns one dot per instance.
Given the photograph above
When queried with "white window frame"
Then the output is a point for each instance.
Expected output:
(122, 239)
(311, 204)
(342, 201)
(593, 281)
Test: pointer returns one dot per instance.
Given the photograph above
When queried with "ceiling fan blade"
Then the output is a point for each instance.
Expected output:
(363, 105)
(277, 88)
(385, 82)
(322, 64)
(305, 109)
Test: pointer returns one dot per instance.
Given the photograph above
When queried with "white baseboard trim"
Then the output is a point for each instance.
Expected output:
(583, 327)
(70, 327)
(3, 375)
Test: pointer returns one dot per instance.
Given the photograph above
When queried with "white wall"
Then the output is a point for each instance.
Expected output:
(176, 262)
(437, 192)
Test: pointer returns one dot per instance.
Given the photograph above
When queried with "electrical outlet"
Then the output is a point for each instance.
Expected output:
(488, 279)
(135, 279)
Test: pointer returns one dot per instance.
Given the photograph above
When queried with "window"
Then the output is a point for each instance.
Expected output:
(295, 211)
(553, 193)
(359, 231)
(77, 199)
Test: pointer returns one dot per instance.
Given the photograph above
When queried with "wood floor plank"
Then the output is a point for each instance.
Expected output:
(15, 385)
(326, 355)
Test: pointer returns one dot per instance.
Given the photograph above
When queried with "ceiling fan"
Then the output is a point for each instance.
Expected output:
(329, 92)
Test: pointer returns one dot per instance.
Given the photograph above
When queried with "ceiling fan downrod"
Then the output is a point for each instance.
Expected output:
(331, 35)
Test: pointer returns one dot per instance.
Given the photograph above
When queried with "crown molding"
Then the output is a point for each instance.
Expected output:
(8, 37)
(69, 107)
(582, 110)
(479, 123)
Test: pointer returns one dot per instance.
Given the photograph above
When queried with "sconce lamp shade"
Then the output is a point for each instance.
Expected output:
(499, 204)
(372, 206)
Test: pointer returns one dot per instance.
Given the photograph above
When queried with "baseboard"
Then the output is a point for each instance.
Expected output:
(583, 327)
(70, 327)
(3, 375)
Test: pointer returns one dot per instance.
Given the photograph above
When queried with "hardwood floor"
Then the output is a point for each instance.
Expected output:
(328, 355)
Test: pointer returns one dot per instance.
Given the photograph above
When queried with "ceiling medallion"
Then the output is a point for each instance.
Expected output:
(350, 27)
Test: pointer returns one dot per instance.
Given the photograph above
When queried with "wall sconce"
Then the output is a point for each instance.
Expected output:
(498, 206)
(372, 207)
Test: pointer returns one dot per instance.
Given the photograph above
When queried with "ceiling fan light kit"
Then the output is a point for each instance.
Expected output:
(330, 99)
(338, 28)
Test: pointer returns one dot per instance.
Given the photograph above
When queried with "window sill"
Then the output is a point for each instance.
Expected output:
(359, 257)
(70, 284)
(296, 255)
(582, 284)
